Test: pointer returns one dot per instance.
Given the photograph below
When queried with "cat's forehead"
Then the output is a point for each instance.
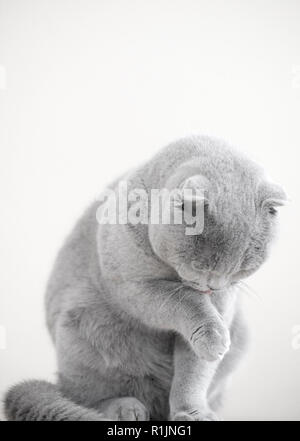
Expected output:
(220, 163)
(227, 175)
(233, 168)
(235, 182)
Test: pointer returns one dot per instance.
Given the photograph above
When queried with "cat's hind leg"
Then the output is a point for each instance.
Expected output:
(87, 378)
(37, 400)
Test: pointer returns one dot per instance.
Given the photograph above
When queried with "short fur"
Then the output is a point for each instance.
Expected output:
(146, 320)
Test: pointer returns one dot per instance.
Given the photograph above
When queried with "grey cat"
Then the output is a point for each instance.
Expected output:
(146, 319)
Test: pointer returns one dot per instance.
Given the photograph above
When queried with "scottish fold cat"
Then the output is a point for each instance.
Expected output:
(146, 319)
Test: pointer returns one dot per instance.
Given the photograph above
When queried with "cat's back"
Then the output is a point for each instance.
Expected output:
(76, 265)
(203, 154)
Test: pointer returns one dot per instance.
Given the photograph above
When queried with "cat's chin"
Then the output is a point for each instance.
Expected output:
(202, 290)
(197, 287)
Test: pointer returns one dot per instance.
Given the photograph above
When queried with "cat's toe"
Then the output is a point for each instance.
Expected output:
(195, 416)
(128, 409)
(182, 416)
(210, 416)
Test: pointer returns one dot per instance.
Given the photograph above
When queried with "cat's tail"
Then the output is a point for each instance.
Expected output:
(42, 401)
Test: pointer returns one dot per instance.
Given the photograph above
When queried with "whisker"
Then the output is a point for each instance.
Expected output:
(248, 290)
(169, 297)
(180, 300)
(251, 290)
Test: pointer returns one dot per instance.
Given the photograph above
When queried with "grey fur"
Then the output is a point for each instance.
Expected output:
(135, 334)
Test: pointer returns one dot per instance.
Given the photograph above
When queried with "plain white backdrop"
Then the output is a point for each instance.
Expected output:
(89, 89)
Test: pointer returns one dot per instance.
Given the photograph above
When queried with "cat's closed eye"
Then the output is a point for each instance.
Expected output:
(272, 211)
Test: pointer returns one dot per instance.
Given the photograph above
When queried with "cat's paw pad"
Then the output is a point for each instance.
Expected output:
(211, 340)
(126, 409)
(195, 416)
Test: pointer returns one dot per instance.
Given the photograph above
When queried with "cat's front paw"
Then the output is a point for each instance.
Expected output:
(211, 340)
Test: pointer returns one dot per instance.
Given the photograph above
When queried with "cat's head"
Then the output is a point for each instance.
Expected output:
(239, 209)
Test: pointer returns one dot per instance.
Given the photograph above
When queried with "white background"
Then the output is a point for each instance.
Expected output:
(89, 89)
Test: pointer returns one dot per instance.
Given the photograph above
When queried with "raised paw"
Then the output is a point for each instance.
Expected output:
(125, 409)
(211, 340)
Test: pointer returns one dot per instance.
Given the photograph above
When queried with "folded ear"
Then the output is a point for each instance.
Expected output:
(193, 192)
(273, 195)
